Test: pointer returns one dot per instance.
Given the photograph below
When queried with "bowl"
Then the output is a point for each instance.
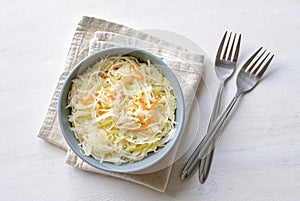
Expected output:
(64, 112)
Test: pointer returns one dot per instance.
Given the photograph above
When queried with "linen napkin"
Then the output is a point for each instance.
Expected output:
(96, 34)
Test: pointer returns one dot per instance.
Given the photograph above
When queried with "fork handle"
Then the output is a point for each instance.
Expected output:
(204, 145)
(193, 161)
(217, 104)
(213, 134)
(204, 166)
(205, 163)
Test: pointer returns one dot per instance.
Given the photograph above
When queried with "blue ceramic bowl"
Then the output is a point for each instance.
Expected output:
(64, 112)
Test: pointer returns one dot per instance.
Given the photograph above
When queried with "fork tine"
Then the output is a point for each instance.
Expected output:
(262, 71)
(225, 52)
(253, 65)
(259, 65)
(236, 54)
(250, 59)
(231, 49)
(221, 46)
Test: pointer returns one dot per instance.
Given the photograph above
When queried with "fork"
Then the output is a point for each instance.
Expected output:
(225, 65)
(247, 79)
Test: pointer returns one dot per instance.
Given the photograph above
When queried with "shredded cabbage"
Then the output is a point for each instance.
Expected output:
(122, 110)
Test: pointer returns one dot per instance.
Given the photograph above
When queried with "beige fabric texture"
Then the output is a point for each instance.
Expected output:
(93, 35)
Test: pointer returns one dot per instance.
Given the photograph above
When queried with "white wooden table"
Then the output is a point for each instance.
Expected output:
(257, 158)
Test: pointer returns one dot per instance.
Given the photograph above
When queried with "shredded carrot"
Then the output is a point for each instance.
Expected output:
(140, 76)
(143, 127)
(144, 105)
(87, 101)
(101, 75)
(111, 95)
(139, 117)
(100, 109)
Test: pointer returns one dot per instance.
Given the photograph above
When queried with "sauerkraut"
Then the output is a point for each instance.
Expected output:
(122, 110)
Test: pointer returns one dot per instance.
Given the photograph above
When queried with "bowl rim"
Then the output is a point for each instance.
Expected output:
(178, 130)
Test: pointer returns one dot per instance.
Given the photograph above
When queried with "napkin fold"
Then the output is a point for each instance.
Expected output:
(93, 35)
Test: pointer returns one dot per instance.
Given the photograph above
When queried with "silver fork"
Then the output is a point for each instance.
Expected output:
(247, 79)
(225, 66)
